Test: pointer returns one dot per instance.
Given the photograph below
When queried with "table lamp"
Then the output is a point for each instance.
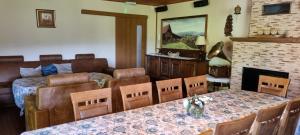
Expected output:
(201, 42)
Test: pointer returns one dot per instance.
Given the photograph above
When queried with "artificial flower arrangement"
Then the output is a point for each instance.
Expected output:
(195, 105)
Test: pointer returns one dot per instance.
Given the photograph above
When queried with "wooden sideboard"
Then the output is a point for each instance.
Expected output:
(161, 66)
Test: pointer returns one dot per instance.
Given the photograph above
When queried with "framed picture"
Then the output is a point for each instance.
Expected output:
(45, 18)
(274, 9)
(183, 32)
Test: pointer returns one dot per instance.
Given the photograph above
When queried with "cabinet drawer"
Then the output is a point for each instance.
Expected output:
(153, 68)
(175, 66)
(164, 67)
(189, 69)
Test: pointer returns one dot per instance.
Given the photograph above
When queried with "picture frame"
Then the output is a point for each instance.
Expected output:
(182, 32)
(45, 18)
(276, 9)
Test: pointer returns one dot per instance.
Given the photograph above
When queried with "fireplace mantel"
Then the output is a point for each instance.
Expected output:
(265, 39)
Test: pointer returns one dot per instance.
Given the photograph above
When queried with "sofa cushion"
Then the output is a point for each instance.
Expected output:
(31, 72)
(64, 68)
(84, 56)
(49, 70)
(67, 79)
(128, 73)
(54, 57)
(59, 96)
(11, 59)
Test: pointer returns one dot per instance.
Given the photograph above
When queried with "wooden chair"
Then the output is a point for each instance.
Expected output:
(196, 85)
(237, 127)
(273, 85)
(207, 132)
(135, 96)
(267, 120)
(91, 103)
(169, 90)
(290, 117)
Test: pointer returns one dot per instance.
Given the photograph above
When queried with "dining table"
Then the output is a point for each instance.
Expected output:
(169, 118)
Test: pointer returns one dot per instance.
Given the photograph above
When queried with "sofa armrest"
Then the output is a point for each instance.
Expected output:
(109, 70)
(35, 118)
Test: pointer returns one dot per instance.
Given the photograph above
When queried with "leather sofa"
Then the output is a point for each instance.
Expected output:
(10, 70)
(123, 77)
(52, 104)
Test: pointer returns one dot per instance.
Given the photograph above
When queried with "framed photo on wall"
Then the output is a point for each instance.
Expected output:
(45, 18)
(183, 32)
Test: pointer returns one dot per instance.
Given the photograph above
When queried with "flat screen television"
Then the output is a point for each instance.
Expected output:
(273, 9)
(250, 77)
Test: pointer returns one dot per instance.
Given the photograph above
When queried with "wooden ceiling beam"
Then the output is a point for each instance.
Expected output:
(153, 2)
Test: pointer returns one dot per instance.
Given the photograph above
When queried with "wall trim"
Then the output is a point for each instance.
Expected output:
(114, 14)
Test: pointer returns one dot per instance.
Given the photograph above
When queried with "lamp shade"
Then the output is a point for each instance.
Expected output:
(200, 40)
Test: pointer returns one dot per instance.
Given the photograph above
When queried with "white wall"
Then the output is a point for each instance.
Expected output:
(77, 33)
(74, 32)
(217, 12)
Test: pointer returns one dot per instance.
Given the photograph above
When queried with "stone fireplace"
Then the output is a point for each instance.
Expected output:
(268, 53)
(250, 77)
(283, 57)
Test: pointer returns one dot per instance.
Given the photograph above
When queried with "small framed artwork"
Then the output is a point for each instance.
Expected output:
(45, 18)
(275, 9)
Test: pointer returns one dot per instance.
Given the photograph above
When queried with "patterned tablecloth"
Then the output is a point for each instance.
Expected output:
(168, 118)
(27, 86)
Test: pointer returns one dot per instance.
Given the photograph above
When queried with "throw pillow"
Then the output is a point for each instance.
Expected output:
(31, 72)
(64, 68)
(49, 70)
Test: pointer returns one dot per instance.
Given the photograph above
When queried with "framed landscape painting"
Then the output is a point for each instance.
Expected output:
(182, 32)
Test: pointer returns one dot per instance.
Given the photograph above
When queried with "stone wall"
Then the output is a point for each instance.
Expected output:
(270, 56)
(286, 22)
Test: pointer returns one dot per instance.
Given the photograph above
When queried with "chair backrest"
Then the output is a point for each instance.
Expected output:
(91, 103)
(124, 77)
(196, 85)
(267, 120)
(236, 127)
(273, 85)
(135, 96)
(290, 117)
(169, 90)
(207, 132)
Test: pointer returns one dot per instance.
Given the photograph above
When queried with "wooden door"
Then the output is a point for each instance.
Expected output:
(127, 41)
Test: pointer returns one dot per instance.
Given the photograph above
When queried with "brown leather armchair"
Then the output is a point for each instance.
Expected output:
(123, 77)
(52, 104)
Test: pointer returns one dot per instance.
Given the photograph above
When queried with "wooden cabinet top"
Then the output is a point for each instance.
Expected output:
(166, 56)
